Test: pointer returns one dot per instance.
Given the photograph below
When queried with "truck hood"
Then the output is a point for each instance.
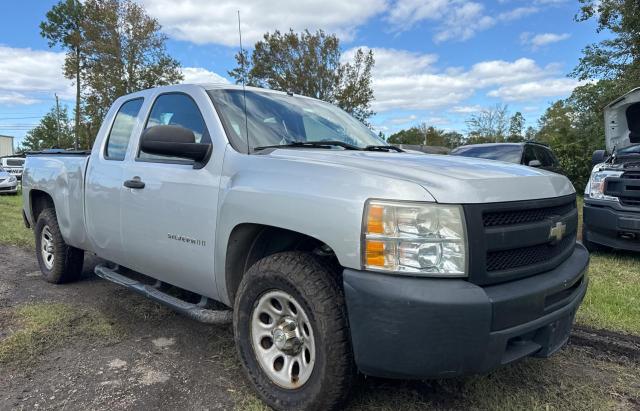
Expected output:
(449, 179)
(622, 121)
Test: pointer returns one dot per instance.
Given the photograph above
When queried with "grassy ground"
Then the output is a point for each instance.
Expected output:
(12, 229)
(35, 328)
(613, 300)
(36, 333)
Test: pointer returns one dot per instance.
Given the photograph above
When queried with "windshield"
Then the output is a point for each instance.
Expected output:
(280, 119)
(508, 153)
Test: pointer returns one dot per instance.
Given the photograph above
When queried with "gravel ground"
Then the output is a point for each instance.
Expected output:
(149, 357)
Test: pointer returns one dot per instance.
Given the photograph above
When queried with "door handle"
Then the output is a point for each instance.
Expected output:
(135, 182)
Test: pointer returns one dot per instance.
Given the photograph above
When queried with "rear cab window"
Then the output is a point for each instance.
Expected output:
(121, 130)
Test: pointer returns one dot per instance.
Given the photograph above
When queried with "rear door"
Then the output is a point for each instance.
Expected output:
(104, 181)
(168, 226)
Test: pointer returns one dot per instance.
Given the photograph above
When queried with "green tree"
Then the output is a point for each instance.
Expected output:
(560, 128)
(516, 128)
(618, 55)
(411, 135)
(63, 26)
(489, 125)
(54, 131)
(125, 52)
(309, 64)
(530, 134)
(423, 134)
(453, 139)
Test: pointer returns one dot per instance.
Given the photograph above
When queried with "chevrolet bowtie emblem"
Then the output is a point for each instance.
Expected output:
(557, 231)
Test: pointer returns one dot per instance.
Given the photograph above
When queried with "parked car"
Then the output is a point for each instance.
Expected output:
(8, 182)
(13, 165)
(612, 196)
(529, 153)
(337, 252)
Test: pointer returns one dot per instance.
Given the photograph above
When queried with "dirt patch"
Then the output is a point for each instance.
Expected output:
(164, 360)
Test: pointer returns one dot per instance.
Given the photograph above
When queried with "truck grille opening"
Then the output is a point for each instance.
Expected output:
(519, 239)
(627, 200)
(502, 218)
(519, 257)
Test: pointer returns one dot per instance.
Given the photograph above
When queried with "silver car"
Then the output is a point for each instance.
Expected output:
(8, 182)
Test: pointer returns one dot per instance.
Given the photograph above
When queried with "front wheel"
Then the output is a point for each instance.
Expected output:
(291, 333)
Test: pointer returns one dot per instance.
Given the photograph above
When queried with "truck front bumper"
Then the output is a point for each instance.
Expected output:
(409, 327)
(612, 225)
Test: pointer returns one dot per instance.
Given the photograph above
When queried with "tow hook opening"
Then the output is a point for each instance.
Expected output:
(628, 236)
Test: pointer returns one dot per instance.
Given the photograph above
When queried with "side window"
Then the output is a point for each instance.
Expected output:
(121, 130)
(176, 109)
(544, 156)
(529, 155)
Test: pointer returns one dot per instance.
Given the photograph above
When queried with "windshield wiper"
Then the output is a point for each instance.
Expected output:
(311, 144)
(384, 148)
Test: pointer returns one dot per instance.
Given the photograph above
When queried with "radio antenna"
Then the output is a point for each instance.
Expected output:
(244, 91)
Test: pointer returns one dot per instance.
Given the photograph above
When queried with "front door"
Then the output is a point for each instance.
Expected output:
(169, 213)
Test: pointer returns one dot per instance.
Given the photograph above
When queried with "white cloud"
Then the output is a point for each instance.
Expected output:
(401, 83)
(394, 62)
(533, 90)
(199, 75)
(466, 109)
(455, 19)
(27, 75)
(540, 40)
(206, 21)
(517, 13)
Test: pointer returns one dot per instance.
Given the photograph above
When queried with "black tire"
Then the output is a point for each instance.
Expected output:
(315, 287)
(590, 246)
(67, 260)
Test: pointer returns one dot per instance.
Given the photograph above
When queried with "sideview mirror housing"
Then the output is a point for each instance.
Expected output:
(534, 163)
(173, 141)
(598, 157)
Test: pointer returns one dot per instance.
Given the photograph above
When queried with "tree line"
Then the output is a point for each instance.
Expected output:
(573, 127)
(114, 48)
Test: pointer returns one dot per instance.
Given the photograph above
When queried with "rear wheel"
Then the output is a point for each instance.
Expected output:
(292, 334)
(59, 262)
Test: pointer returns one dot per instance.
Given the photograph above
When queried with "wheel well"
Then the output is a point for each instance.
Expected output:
(39, 201)
(249, 243)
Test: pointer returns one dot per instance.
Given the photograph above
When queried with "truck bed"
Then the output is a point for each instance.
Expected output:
(60, 174)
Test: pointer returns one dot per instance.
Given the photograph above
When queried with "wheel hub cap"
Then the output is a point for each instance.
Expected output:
(47, 249)
(286, 338)
(282, 339)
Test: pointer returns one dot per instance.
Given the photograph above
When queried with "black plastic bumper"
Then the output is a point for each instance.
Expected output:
(408, 327)
(612, 225)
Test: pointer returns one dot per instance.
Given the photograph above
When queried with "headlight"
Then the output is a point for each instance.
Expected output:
(595, 187)
(414, 238)
(12, 179)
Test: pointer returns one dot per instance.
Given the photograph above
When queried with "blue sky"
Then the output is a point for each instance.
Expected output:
(437, 61)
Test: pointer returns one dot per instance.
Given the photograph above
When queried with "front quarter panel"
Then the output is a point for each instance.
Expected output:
(324, 201)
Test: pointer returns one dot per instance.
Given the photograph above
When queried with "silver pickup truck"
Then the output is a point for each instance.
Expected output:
(332, 252)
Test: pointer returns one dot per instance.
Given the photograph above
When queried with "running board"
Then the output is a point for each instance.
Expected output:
(197, 312)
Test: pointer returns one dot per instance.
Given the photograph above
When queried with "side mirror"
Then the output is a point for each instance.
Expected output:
(597, 157)
(173, 141)
(534, 163)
